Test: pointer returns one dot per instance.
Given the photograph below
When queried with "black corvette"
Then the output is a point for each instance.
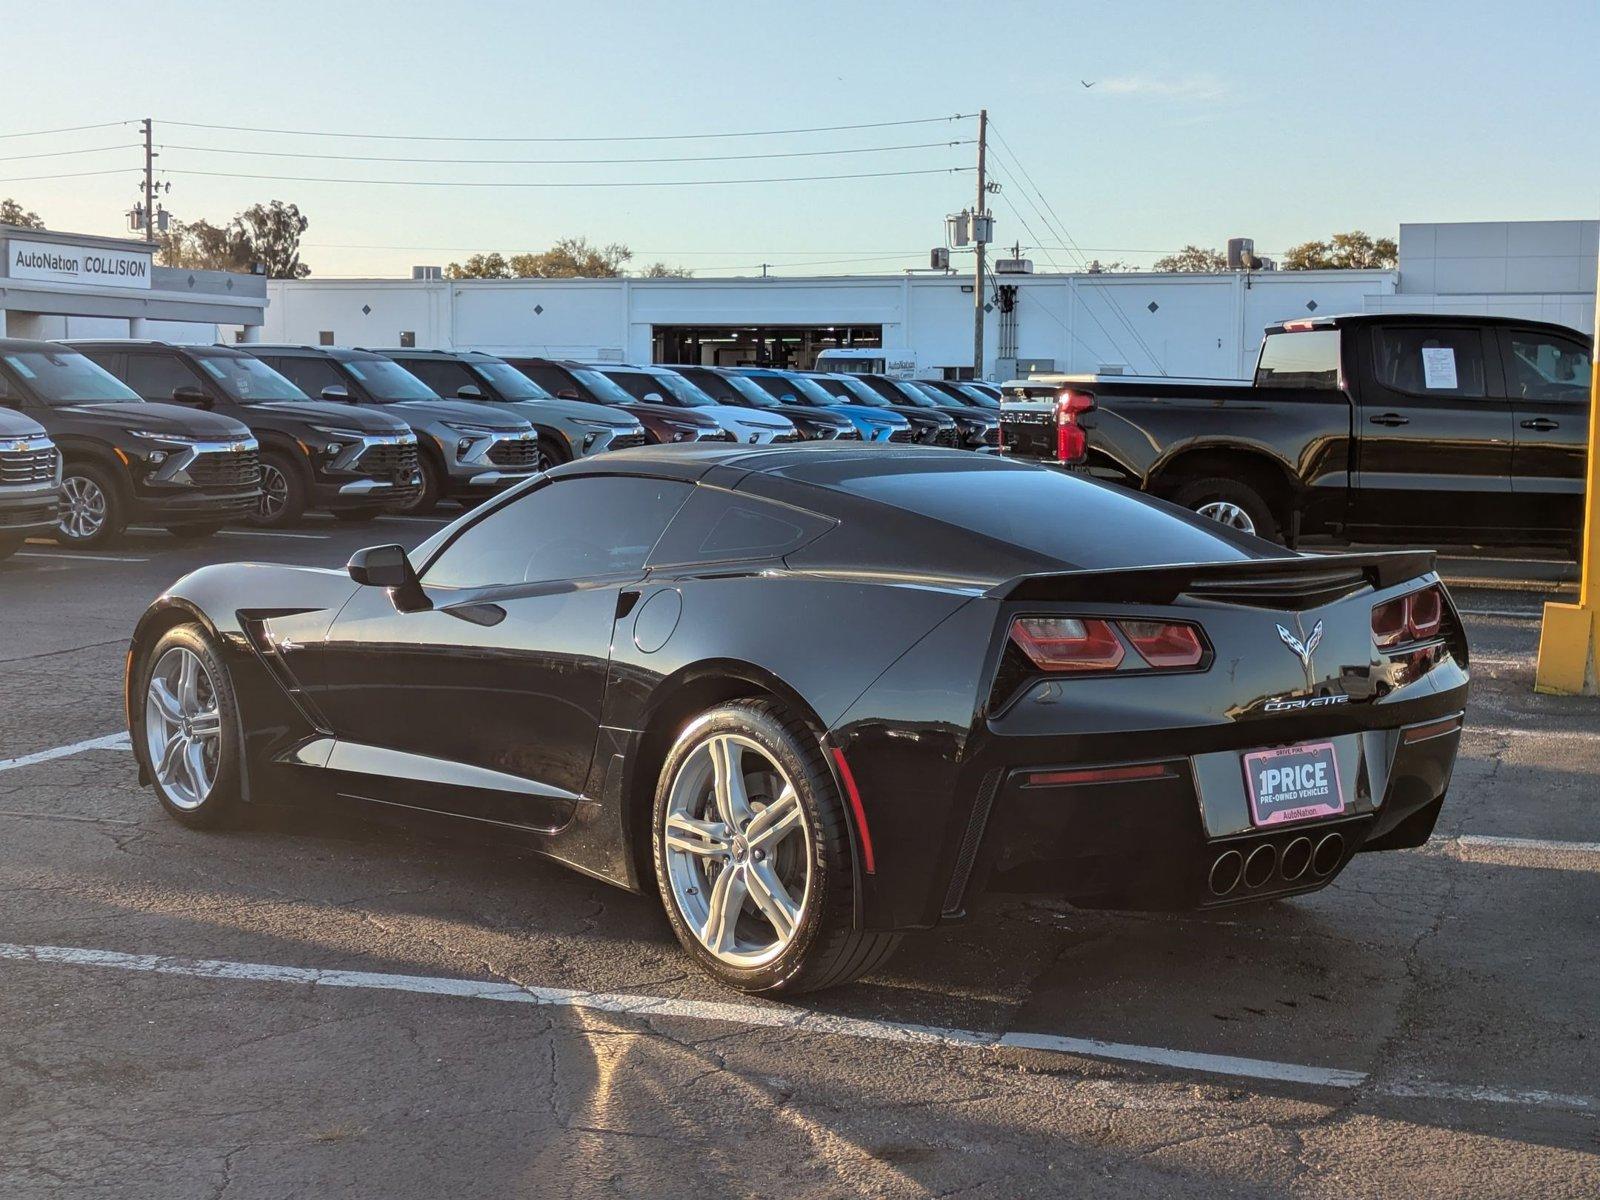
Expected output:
(821, 695)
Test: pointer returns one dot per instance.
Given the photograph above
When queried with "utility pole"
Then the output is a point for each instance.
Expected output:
(149, 184)
(978, 288)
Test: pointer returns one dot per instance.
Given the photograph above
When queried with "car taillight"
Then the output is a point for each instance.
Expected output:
(1068, 643)
(1165, 644)
(1415, 617)
(1071, 442)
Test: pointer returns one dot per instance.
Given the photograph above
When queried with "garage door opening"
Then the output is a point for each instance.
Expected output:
(792, 347)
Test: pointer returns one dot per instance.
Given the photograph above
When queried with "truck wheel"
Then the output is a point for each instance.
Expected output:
(1234, 504)
(283, 492)
(427, 497)
(92, 510)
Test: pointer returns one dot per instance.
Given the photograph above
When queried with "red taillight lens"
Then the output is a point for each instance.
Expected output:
(1425, 612)
(1068, 643)
(1071, 441)
(1165, 644)
(1413, 618)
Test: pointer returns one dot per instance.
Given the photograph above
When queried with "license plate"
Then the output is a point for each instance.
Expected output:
(1293, 783)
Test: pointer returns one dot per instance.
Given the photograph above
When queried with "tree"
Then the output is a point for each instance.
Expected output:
(481, 266)
(1343, 252)
(1193, 258)
(573, 258)
(274, 230)
(1115, 266)
(660, 270)
(12, 213)
(200, 245)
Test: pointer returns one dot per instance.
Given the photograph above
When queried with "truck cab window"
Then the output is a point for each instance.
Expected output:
(1304, 359)
(1428, 361)
(1540, 366)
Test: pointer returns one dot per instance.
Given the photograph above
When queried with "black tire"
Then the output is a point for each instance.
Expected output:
(221, 806)
(356, 515)
(825, 950)
(552, 452)
(277, 464)
(427, 497)
(116, 507)
(1198, 493)
(194, 533)
(10, 545)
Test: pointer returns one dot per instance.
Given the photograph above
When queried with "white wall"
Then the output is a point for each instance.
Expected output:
(46, 326)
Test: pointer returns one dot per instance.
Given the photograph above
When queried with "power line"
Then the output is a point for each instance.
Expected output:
(65, 153)
(496, 183)
(67, 129)
(658, 137)
(551, 162)
(69, 175)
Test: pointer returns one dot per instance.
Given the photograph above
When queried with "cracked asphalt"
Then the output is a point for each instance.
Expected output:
(1459, 980)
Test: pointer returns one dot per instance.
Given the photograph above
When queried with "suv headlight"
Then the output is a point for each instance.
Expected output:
(473, 430)
(177, 439)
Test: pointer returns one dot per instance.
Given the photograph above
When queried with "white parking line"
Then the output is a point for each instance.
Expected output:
(111, 741)
(274, 533)
(1519, 614)
(76, 556)
(1582, 735)
(783, 1017)
(1519, 843)
(415, 520)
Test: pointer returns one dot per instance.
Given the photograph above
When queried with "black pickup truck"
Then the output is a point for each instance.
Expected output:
(1370, 427)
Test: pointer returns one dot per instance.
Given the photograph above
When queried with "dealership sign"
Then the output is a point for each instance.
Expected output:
(93, 265)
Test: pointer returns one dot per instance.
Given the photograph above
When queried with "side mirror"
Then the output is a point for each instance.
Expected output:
(568, 394)
(470, 391)
(336, 392)
(388, 567)
(190, 394)
(654, 398)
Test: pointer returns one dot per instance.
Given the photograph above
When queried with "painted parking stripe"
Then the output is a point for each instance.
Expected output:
(77, 556)
(111, 741)
(1509, 731)
(1521, 843)
(273, 533)
(777, 1016)
(1516, 614)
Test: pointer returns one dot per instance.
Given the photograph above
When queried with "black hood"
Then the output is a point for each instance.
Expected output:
(15, 425)
(163, 418)
(343, 416)
(671, 412)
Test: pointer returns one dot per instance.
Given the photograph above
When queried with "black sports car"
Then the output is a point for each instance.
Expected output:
(820, 695)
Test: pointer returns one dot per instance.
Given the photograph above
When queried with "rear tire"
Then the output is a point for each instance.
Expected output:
(93, 511)
(551, 453)
(810, 942)
(1234, 504)
(427, 497)
(283, 492)
(187, 738)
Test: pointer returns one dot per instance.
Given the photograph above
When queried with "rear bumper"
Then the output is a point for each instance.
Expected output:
(26, 510)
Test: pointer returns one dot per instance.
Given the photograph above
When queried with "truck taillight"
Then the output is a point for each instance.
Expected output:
(1072, 444)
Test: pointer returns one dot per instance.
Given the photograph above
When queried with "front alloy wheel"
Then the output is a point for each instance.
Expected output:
(183, 727)
(89, 513)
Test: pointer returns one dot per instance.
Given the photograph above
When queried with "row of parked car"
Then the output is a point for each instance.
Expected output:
(95, 435)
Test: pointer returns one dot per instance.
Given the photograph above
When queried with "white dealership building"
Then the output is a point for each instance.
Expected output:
(1183, 324)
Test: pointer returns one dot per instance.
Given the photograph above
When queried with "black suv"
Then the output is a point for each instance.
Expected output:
(314, 455)
(123, 459)
(30, 480)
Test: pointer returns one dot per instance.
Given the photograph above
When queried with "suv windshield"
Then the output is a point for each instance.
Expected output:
(688, 394)
(507, 380)
(388, 382)
(752, 391)
(248, 380)
(60, 377)
(861, 392)
(601, 387)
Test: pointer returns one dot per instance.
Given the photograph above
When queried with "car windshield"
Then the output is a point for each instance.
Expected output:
(508, 381)
(812, 392)
(687, 393)
(58, 377)
(388, 382)
(751, 391)
(861, 392)
(977, 395)
(780, 387)
(939, 399)
(913, 393)
(248, 380)
(601, 387)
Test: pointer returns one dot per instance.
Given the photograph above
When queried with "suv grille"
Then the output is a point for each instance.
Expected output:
(900, 435)
(523, 452)
(943, 437)
(226, 469)
(381, 462)
(625, 441)
(28, 466)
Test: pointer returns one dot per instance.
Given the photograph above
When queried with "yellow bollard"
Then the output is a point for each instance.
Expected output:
(1569, 643)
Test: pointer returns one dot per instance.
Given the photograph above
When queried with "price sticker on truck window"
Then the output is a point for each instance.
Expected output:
(1439, 368)
(1293, 783)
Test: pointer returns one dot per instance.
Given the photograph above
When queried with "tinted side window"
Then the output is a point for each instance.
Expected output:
(642, 387)
(552, 379)
(154, 376)
(1429, 361)
(310, 375)
(446, 378)
(1541, 366)
(569, 529)
(717, 526)
(1304, 359)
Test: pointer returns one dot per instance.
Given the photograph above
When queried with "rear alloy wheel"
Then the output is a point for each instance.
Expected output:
(1230, 503)
(90, 512)
(188, 736)
(283, 492)
(427, 497)
(752, 855)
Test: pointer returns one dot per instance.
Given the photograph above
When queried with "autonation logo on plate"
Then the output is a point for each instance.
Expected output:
(78, 264)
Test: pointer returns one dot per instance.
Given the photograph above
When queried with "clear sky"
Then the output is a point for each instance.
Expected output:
(1282, 121)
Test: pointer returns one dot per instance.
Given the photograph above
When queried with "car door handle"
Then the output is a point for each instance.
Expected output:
(1389, 419)
(1541, 423)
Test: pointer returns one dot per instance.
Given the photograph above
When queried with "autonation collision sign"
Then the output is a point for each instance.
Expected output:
(77, 264)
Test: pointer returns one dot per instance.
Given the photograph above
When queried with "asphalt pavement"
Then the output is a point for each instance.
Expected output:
(319, 1005)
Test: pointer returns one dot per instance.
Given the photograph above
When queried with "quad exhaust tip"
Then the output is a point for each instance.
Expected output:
(1297, 857)
(1225, 872)
(1259, 866)
(1329, 853)
(1231, 867)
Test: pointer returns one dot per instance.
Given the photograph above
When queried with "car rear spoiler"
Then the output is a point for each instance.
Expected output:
(1293, 581)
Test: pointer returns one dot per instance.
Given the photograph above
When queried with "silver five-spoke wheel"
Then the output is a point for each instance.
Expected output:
(1229, 514)
(83, 508)
(183, 727)
(737, 850)
(274, 493)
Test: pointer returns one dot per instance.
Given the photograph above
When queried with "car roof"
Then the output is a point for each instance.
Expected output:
(1353, 319)
(292, 350)
(148, 344)
(435, 355)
